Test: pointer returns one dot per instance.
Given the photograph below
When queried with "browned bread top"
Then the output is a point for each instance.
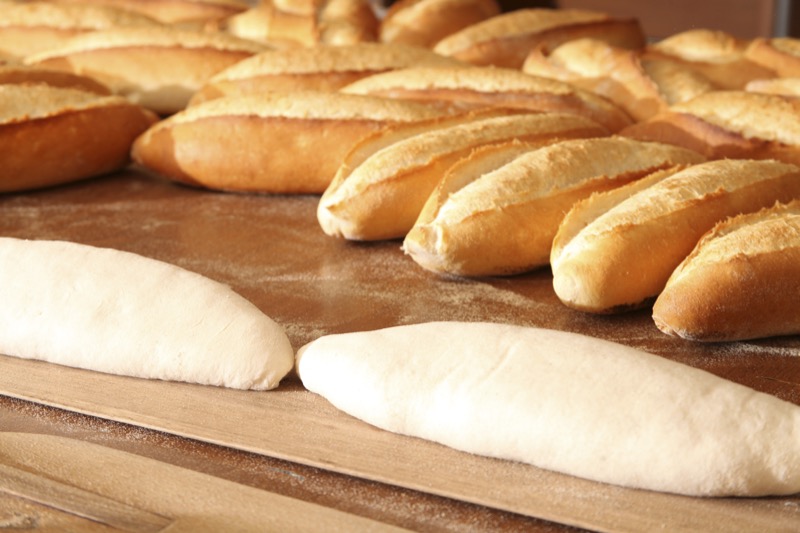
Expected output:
(22, 103)
(70, 16)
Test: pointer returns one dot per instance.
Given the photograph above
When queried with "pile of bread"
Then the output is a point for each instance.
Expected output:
(490, 143)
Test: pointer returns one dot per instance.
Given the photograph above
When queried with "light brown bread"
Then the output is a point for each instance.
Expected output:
(717, 55)
(642, 87)
(383, 196)
(778, 54)
(491, 87)
(729, 124)
(346, 22)
(272, 143)
(53, 135)
(426, 22)
(34, 27)
(20, 74)
(175, 12)
(783, 86)
(623, 258)
(268, 23)
(740, 282)
(159, 68)
(319, 68)
(502, 220)
(505, 40)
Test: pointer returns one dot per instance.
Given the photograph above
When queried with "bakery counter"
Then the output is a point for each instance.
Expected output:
(289, 442)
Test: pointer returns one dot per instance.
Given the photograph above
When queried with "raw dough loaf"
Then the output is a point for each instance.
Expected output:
(562, 401)
(121, 313)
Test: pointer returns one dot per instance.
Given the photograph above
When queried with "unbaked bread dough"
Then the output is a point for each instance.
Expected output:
(564, 402)
(122, 313)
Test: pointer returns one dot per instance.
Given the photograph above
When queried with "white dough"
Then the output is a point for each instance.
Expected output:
(562, 401)
(121, 313)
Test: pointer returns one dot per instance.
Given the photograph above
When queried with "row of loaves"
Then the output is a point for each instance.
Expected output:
(492, 144)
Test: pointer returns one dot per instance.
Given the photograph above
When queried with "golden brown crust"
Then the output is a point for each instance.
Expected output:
(729, 124)
(158, 68)
(624, 257)
(492, 87)
(346, 22)
(20, 74)
(56, 135)
(382, 197)
(781, 55)
(320, 68)
(426, 22)
(740, 282)
(506, 40)
(503, 221)
(302, 139)
(175, 11)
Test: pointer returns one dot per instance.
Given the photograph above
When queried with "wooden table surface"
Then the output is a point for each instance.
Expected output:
(271, 250)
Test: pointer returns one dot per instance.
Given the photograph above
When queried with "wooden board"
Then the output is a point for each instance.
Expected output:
(271, 250)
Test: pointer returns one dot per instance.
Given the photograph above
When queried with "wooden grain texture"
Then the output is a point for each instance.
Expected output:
(271, 250)
(133, 493)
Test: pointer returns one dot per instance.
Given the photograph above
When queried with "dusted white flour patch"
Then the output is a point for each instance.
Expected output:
(122, 313)
(562, 401)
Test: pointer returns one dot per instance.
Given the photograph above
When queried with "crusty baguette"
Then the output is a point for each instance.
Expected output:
(383, 196)
(778, 54)
(505, 40)
(53, 135)
(319, 68)
(175, 12)
(268, 23)
(729, 124)
(642, 87)
(717, 55)
(157, 67)
(346, 22)
(741, 281)
(33, 27)
(491, 86)
(426, 22)
(622, 259)
(21, 74)
(272, 143)
(503, 221)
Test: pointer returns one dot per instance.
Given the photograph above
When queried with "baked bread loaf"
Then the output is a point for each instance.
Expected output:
(426, 22)
(778, 54)
(740, 282)
(383, 196)
(319, 68)
(272, 143)
(53, 135)
(175, 12)
(717, 55)
(729, 124)
(24, 75)
(506, 40)
(642, 87)
(345, 22)
(623, 258)
(159, 67)
(491, 87)
(33, 27)
(501, 220)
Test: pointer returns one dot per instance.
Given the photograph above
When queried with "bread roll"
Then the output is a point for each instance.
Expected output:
(52, 135)
(20, 74)
(319, 68)
(175, 11)
(729, 124)
(159, 68)
(426, 22)
(506, 40)
(717, 55)
(383, 196)
(502, 220)
(30, 28)
(487, 86)
(740, 282)
(778, 54)
(641, 87)
(273, 143)
(623, 258)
